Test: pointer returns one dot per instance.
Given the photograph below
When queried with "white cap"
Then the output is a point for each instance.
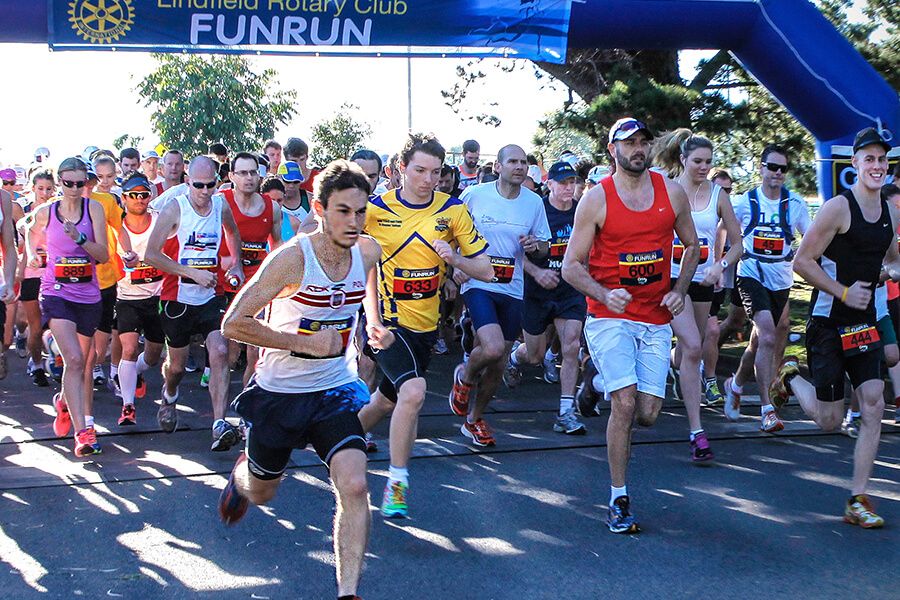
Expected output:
(534, 172)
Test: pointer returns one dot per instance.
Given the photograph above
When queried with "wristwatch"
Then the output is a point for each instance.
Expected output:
(723, 263)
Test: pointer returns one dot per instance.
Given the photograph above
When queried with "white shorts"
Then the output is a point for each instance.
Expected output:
(628, 353)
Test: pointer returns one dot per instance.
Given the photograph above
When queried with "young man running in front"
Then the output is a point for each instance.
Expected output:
(306, 388)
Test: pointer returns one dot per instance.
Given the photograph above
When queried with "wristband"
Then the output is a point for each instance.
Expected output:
(724, 264)
(81, 239)
(844, 295)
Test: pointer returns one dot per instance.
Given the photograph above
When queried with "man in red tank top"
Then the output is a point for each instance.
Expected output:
(623, 232)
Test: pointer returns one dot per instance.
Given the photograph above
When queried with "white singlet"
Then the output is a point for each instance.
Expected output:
(143, 281)
(198, 238)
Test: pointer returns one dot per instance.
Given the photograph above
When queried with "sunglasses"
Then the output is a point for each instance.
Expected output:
(775, 167)
(245, 173)
(8, 182)
(628, 127)
(73, 184)
(200, 185)
(138, 195)
(727, 189)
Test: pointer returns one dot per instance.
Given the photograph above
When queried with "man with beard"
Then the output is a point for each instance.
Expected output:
(468, 170)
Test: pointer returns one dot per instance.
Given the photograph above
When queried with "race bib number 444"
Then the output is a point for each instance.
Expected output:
(856, 339)
(640, 268)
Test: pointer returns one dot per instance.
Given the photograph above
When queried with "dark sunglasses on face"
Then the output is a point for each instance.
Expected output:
(138, 195)
(629, 126)
(200, 185)
(7, 182)
(727, 189)
(775, 167)
(73, 184)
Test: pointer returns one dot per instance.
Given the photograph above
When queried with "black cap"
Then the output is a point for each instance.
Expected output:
(561, 170)
(867, 137)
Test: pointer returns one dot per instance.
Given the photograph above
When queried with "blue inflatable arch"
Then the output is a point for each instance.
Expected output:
(787, 45)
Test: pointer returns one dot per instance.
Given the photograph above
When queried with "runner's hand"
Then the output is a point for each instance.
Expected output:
(445, 251)
(235, 271)
(450, 290)
(674, 302)
(380, 337)
(323, 344)
(713, 275)
(70, 230)
(547, 278)
(459, 277)
(859, 295)
(130, 259)
(528, 243)
(7, 293)
(203, 278)
(35, 261)
(616, 300)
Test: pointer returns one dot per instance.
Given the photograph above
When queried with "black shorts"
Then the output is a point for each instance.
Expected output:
(717, 301)
(701, 293)
(734, 298)
(279, 423)
(538, 314)
(141, 316)
(894, 311)
(3, 319)
(756, 298)
(181, 321)
(108, 315)
(828, 363)
(30, 289)
(407, 358)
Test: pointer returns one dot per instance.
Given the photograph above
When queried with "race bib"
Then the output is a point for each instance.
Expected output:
(311, 326)
(856, 339)
(768, 243)
(73, 269)
(144, 273)
(42, 254)
(640, 268)
(210, 264)
(504, 268)
(415, 284)
(678, 251)
(557, 252)
(252, 253)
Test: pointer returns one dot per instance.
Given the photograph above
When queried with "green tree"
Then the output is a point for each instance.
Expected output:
(338, 137)
(199, 100)
(127, 141)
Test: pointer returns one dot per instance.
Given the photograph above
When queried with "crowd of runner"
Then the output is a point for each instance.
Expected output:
(331, 289)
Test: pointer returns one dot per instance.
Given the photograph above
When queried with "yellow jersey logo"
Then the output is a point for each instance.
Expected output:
(101, 21)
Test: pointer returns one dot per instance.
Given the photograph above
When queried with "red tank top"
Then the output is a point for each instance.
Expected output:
(254, 231)
(633, 251)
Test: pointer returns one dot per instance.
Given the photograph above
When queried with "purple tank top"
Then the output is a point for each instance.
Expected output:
(70, 272)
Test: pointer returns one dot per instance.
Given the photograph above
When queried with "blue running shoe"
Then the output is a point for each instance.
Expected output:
(619, 519)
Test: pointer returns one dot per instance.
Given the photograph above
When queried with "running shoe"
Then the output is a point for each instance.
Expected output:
(479, 432)
(619, 518)
(86, 442)
(141, 389)
(99, 378)
(128, 418)
(897, 412)
(586, 397)
(512, 375)
(29, 367)
(4, 367)
(112, 384)
(190, 365)
(393, 504)
(62, 423)
(39, 377)
(167, 416)
(225, 435)
(700, 450)
(676, 383)
(859, 512)
(459, 394)
(204, 379)
(467, 340)
(732, 408)
(440, 347)
(551, 374)
(771, 423)
(850, 426)
(21, 346)
(371, 446)
(714, 396)
(779, 394)
(569, 424)
(233, 506)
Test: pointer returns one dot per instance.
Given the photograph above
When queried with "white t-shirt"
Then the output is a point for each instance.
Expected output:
(160, 201)
(773, 275)
(501, 221)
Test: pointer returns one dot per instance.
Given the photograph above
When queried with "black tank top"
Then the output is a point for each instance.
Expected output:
(856, 255)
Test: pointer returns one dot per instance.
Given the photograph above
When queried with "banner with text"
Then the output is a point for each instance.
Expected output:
(533, 29)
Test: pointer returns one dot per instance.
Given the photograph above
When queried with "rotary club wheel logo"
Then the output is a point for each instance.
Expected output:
(101, 21)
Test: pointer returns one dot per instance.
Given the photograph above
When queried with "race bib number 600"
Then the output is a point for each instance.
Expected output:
(640, 268)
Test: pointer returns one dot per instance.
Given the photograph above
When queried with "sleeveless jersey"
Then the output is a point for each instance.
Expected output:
(856, 255)
(254, 231)
(706, 222)
(198, 239)
(633, 251)
(40, 249)
(143, 281)
(71, 272)
(318, 304)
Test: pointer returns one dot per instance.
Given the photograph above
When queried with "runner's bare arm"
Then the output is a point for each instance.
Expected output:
(233, 236)
(276, 225)
(279, 276)
(8, 246)
(380, 337)
(166, 225)
(98, 249)
(892, 258)
(309, 224)
(732, 229)
(35, 226)
(477, 267)
(687, 233)
(590, 216)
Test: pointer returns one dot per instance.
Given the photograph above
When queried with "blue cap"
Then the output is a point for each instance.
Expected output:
(290, 171)
(561, 171)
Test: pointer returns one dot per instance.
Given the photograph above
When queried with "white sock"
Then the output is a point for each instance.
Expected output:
(512, 358)
(616, 492)
(113, 370)
(737, 389)
(398, 474)
(766, 408)
(169, 399)
(127, 380)
(566, 403)
(696, 433)
(206, 371)
(854, 415)
(141, 364)
(701, 368)
(88, 420)
(549, 356)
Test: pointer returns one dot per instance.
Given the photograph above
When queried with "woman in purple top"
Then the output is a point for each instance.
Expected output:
(75, 232)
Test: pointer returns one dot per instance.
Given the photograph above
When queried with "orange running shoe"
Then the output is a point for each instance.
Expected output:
(63, 422)
(459, 395)
(86, 442)
(479, 432)
(141, 390)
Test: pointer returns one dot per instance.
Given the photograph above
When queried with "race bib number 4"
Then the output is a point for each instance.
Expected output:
(144, 273)
(640, 268)
(311, 326)
(210, 264)
(678, 251)
(415, 284)
(252, 253)
(856, 339)
(768, 243)
(70, 269)
(504, 269)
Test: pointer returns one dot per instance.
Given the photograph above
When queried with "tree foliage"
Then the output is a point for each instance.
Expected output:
(127, 140)
(199, 100)
(338, 137)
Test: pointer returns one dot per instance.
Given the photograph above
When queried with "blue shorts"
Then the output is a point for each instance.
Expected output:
(486, 308)
(538, 315)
